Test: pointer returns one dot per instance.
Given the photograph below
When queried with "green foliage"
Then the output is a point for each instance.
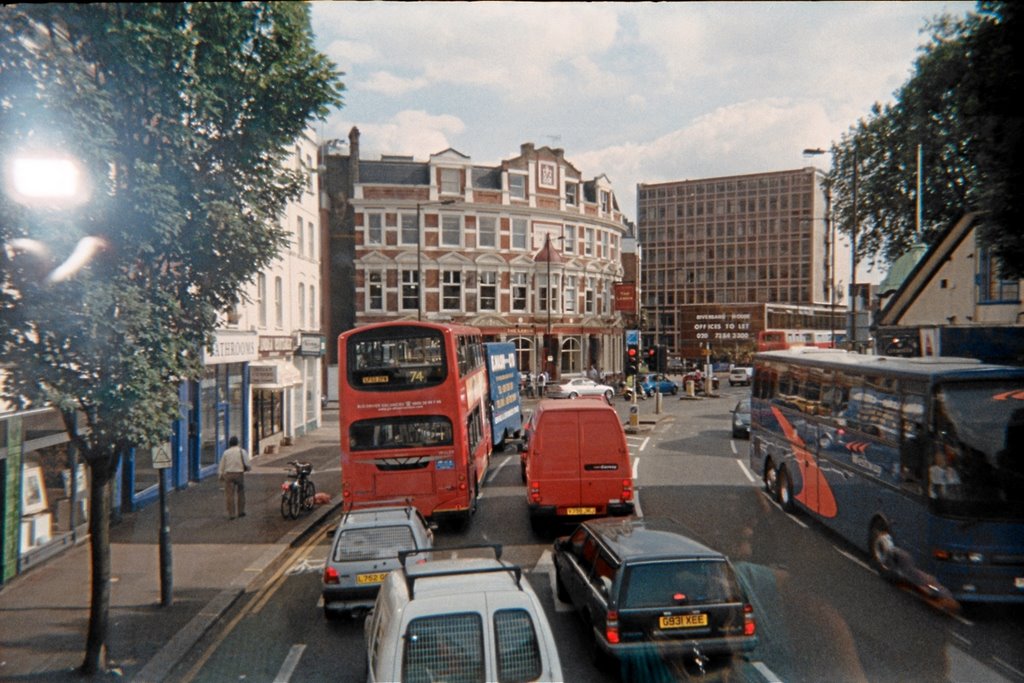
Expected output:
(182, 115)
(961, 107)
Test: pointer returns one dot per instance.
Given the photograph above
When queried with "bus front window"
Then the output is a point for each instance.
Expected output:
(978, 464)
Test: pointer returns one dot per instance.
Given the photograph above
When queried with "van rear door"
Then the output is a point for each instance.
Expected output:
(604, 458)
(555, 460)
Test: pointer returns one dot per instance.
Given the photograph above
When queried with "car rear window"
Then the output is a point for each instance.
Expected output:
(444, 647)
(373, 543)
(694, 581)
(517, 647)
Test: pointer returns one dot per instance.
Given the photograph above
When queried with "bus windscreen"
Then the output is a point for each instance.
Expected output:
(396, 359)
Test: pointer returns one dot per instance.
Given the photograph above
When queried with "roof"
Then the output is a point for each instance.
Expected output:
(649, 538)
(563, 405)
(901, 268)
(949, 367)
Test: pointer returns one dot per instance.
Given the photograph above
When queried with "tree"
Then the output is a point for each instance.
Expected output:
(181, 115)
(961, 107)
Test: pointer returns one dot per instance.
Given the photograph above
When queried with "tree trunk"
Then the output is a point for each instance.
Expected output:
(99, 552)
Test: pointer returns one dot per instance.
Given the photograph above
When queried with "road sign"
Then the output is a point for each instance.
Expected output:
(162, 456)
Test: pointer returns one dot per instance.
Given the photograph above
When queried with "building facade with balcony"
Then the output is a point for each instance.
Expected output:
(727, 257)
(527, 250)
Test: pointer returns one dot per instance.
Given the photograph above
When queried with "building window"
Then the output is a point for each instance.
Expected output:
(310, 169)
(312, 240)
(261, 298)
(588, 296)
(410, 290)
(570, 194)
(519, 292)
(410, 231)
(451, 181)
(519, 233)
(451, 231)
(487, 231)
(374, 228)
(588, 241)
(991, 288)
(569, 294)
(312, 307)
(570, 239)
(300, 243)
(546, 297)
(451, 290)
(302, 305)
(375, 290)
(516, 186)
(278, 302)
(488, 290)
(604, 201)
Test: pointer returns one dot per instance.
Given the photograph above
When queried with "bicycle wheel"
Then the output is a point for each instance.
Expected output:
(286, 505)
(294, 502)
(308, 491)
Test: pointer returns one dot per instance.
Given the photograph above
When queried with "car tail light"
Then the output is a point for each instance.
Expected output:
(627, 489)
(535, 491)
(611, 629)
(330, 575)
(749, 625)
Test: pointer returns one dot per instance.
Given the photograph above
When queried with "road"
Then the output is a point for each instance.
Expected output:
(823, 614)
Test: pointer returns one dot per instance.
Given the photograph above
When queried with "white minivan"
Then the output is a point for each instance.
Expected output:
(462, 618)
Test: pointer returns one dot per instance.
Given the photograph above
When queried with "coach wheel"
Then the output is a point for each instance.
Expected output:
(785, 490)
(771, 479)
(882, 547)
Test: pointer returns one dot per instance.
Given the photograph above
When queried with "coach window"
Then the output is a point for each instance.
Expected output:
(913, 437)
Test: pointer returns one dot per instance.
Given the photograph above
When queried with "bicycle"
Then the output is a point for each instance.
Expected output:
(298, 492)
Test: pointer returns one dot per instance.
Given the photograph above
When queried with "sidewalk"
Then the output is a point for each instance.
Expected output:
(44, 613)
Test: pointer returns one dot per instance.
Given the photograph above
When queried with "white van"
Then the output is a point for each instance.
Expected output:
(465, 618)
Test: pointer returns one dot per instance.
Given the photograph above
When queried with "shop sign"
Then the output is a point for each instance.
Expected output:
(312, 345)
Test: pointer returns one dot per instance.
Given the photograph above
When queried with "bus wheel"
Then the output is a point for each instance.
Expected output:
(784, 489)
(882, 548)
(771, 479)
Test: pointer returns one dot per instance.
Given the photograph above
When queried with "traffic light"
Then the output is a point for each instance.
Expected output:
(632, 359)
(652, 359)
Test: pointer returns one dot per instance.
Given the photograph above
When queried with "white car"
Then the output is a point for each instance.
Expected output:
(579, 386)
(741, 375)
(465, 619)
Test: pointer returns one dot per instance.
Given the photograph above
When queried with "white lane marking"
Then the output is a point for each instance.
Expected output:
(494, 473)
(644, 444)
(1000, 662)
(745, 470)
(769, 675)
(290, 662)
(856, 560)
(636, 467)
(732, 445)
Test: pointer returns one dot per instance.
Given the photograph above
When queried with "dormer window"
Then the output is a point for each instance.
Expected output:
(516, 186)
(451, 181)
(570, 194)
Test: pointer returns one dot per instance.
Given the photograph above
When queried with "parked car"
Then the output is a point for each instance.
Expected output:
(741, 375)
(466, 619)
(365, 548)
(658, 383)
(741, 419)
(576, 463)
(643, 588)
(578, 386)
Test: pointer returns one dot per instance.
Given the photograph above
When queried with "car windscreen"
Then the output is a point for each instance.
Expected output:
(396, 358)
(679, 582)
(373, 543)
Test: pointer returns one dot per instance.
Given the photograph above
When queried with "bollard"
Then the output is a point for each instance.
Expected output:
(690, 388)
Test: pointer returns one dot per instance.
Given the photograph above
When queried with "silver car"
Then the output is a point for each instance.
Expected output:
(365, 548)
(579, 386)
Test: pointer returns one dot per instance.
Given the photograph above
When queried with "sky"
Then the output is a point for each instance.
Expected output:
(639, 92)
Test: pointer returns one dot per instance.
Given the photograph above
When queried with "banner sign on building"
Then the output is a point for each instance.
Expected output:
(625, 297)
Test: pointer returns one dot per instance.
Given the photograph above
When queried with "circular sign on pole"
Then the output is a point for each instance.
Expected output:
(634, 415)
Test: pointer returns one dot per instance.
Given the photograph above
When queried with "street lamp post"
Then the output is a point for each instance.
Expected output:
(830, 230)
(419, 252)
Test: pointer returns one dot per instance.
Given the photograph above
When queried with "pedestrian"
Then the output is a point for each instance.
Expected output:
(542, 381)
(234, 463)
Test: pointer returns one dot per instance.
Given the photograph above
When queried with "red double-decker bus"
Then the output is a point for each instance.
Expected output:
(413, 411)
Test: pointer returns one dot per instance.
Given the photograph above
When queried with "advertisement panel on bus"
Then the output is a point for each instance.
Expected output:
(505, 408)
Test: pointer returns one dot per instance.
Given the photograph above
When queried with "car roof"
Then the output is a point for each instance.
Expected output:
(376, 515)
(648, 539)
(449, 577)
(554, 404)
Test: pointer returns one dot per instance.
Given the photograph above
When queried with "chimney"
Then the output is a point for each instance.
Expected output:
(353, 155)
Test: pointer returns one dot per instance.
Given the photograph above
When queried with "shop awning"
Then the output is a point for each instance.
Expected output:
(273, 374)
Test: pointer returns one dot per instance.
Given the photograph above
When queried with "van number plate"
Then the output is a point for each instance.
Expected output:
(364, 579)
(683, 621)
(581, 511)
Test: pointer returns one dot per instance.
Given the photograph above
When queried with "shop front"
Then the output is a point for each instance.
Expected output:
(220, 400)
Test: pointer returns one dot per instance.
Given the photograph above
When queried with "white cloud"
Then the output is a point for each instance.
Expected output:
(389, 84)
(408, 133)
